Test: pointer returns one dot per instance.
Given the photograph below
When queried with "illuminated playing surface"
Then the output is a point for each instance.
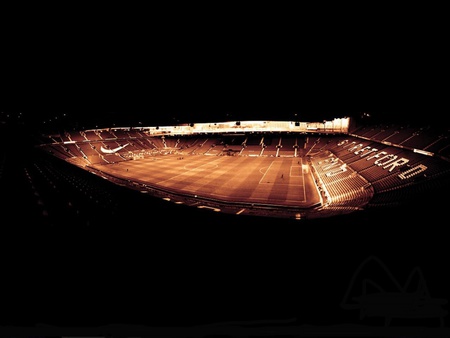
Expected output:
(268, 180)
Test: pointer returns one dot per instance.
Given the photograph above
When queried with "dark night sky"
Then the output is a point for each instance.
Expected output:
(161, 67)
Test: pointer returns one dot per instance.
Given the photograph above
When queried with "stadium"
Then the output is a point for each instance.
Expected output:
(257, 209)
(268, 168)
(287, 170)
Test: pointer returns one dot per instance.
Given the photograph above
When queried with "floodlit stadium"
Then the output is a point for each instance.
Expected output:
(281, 169)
